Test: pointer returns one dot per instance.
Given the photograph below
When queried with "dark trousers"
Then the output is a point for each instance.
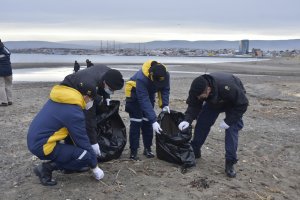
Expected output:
(69, 157)
(205, 120)
(138, 122)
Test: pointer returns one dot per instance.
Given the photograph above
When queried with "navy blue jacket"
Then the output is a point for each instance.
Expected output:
(5, 65)
(228, 94)
(141, 89)
(61, 116)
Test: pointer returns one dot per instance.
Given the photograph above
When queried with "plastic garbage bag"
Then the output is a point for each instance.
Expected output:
(173, 145)
(111, 131)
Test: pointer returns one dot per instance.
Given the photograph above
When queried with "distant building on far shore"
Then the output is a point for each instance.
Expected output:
(257, 53)
(244, 47)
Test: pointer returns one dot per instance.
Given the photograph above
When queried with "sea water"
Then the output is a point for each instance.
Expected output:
(58, 73)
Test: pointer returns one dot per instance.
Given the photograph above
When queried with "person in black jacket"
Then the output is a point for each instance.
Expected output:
(76, 66)
(106, 80)
(89, 63)
(5, 76)
(210, 95)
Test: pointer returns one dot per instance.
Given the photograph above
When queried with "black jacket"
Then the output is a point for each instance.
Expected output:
(5, 65)
(76, 67)
(92, 75)
(228, 94)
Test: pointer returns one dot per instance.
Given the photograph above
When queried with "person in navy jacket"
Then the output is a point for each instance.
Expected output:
(60, 118)
(210, 95)
(5, 76)
(140, 93)
(106, 80)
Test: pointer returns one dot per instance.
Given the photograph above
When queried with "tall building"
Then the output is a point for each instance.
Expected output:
(244, 47)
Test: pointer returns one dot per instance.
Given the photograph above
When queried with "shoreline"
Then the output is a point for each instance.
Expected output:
(272, 67)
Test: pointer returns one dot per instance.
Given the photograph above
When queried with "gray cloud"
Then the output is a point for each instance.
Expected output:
(257, 17)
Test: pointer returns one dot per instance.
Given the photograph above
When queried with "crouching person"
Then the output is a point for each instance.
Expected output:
(210, 95)
(62, 117)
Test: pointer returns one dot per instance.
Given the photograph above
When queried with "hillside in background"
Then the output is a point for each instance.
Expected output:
(208, 45)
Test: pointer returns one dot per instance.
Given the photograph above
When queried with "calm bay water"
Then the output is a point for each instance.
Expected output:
(42, 58)
(57, 74)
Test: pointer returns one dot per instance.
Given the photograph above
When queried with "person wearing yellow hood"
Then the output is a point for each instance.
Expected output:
(61, 117)
(140, 93)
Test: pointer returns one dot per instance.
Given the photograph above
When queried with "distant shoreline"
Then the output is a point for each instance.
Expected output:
(273, 67)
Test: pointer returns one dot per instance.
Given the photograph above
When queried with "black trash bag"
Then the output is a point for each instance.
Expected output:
(173, 145)
(111, 131)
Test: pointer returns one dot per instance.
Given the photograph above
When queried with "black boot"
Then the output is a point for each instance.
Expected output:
(133, 155)
(229, 169)
(148, 153)
(197, 152)
(44, 172)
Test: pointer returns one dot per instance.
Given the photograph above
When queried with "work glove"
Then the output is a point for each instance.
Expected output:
(98, 173)
(156, 127)
(223, 125)
(96, 149)
(183, 125)
(108, 102)
(166, 109)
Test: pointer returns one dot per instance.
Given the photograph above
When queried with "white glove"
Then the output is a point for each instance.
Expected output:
(183, 125)
(96, 149)
(108, 102)
(223, 125)
(166, 109)
(98, 173)
(156, 127)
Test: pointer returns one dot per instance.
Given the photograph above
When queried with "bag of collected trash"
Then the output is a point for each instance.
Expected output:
(111, 131)
(173, 145)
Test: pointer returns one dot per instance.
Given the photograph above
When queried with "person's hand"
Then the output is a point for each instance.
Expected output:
(156, 127)
(96, 149)
(183, 125)
(166, 109)
(223, 125)
(98, 173)
(108, 102)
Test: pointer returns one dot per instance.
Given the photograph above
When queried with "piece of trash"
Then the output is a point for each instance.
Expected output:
(275, 177)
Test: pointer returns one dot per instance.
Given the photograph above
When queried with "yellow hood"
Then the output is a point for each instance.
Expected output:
(67, 95)
(146, 67)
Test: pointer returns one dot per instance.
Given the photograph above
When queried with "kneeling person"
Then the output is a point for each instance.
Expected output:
(61, 117)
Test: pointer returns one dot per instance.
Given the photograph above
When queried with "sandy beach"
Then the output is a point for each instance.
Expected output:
(269, 145)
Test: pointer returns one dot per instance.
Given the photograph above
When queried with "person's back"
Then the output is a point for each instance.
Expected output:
(5, 76)
(76, 66)
(61, 118)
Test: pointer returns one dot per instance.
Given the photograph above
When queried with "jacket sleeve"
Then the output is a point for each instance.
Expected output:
(165, 93)
(239, 107)
(193, 109)
(91, 124)
(144, 101)
(77, 131)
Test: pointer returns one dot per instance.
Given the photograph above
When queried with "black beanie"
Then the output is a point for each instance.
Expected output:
(114, 79)
(198, 86)
(158, 74)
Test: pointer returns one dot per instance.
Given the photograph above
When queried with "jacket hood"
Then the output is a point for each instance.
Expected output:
(146, 67)
(67, 95)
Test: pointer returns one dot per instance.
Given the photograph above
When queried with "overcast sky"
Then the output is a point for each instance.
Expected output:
(148, 20)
